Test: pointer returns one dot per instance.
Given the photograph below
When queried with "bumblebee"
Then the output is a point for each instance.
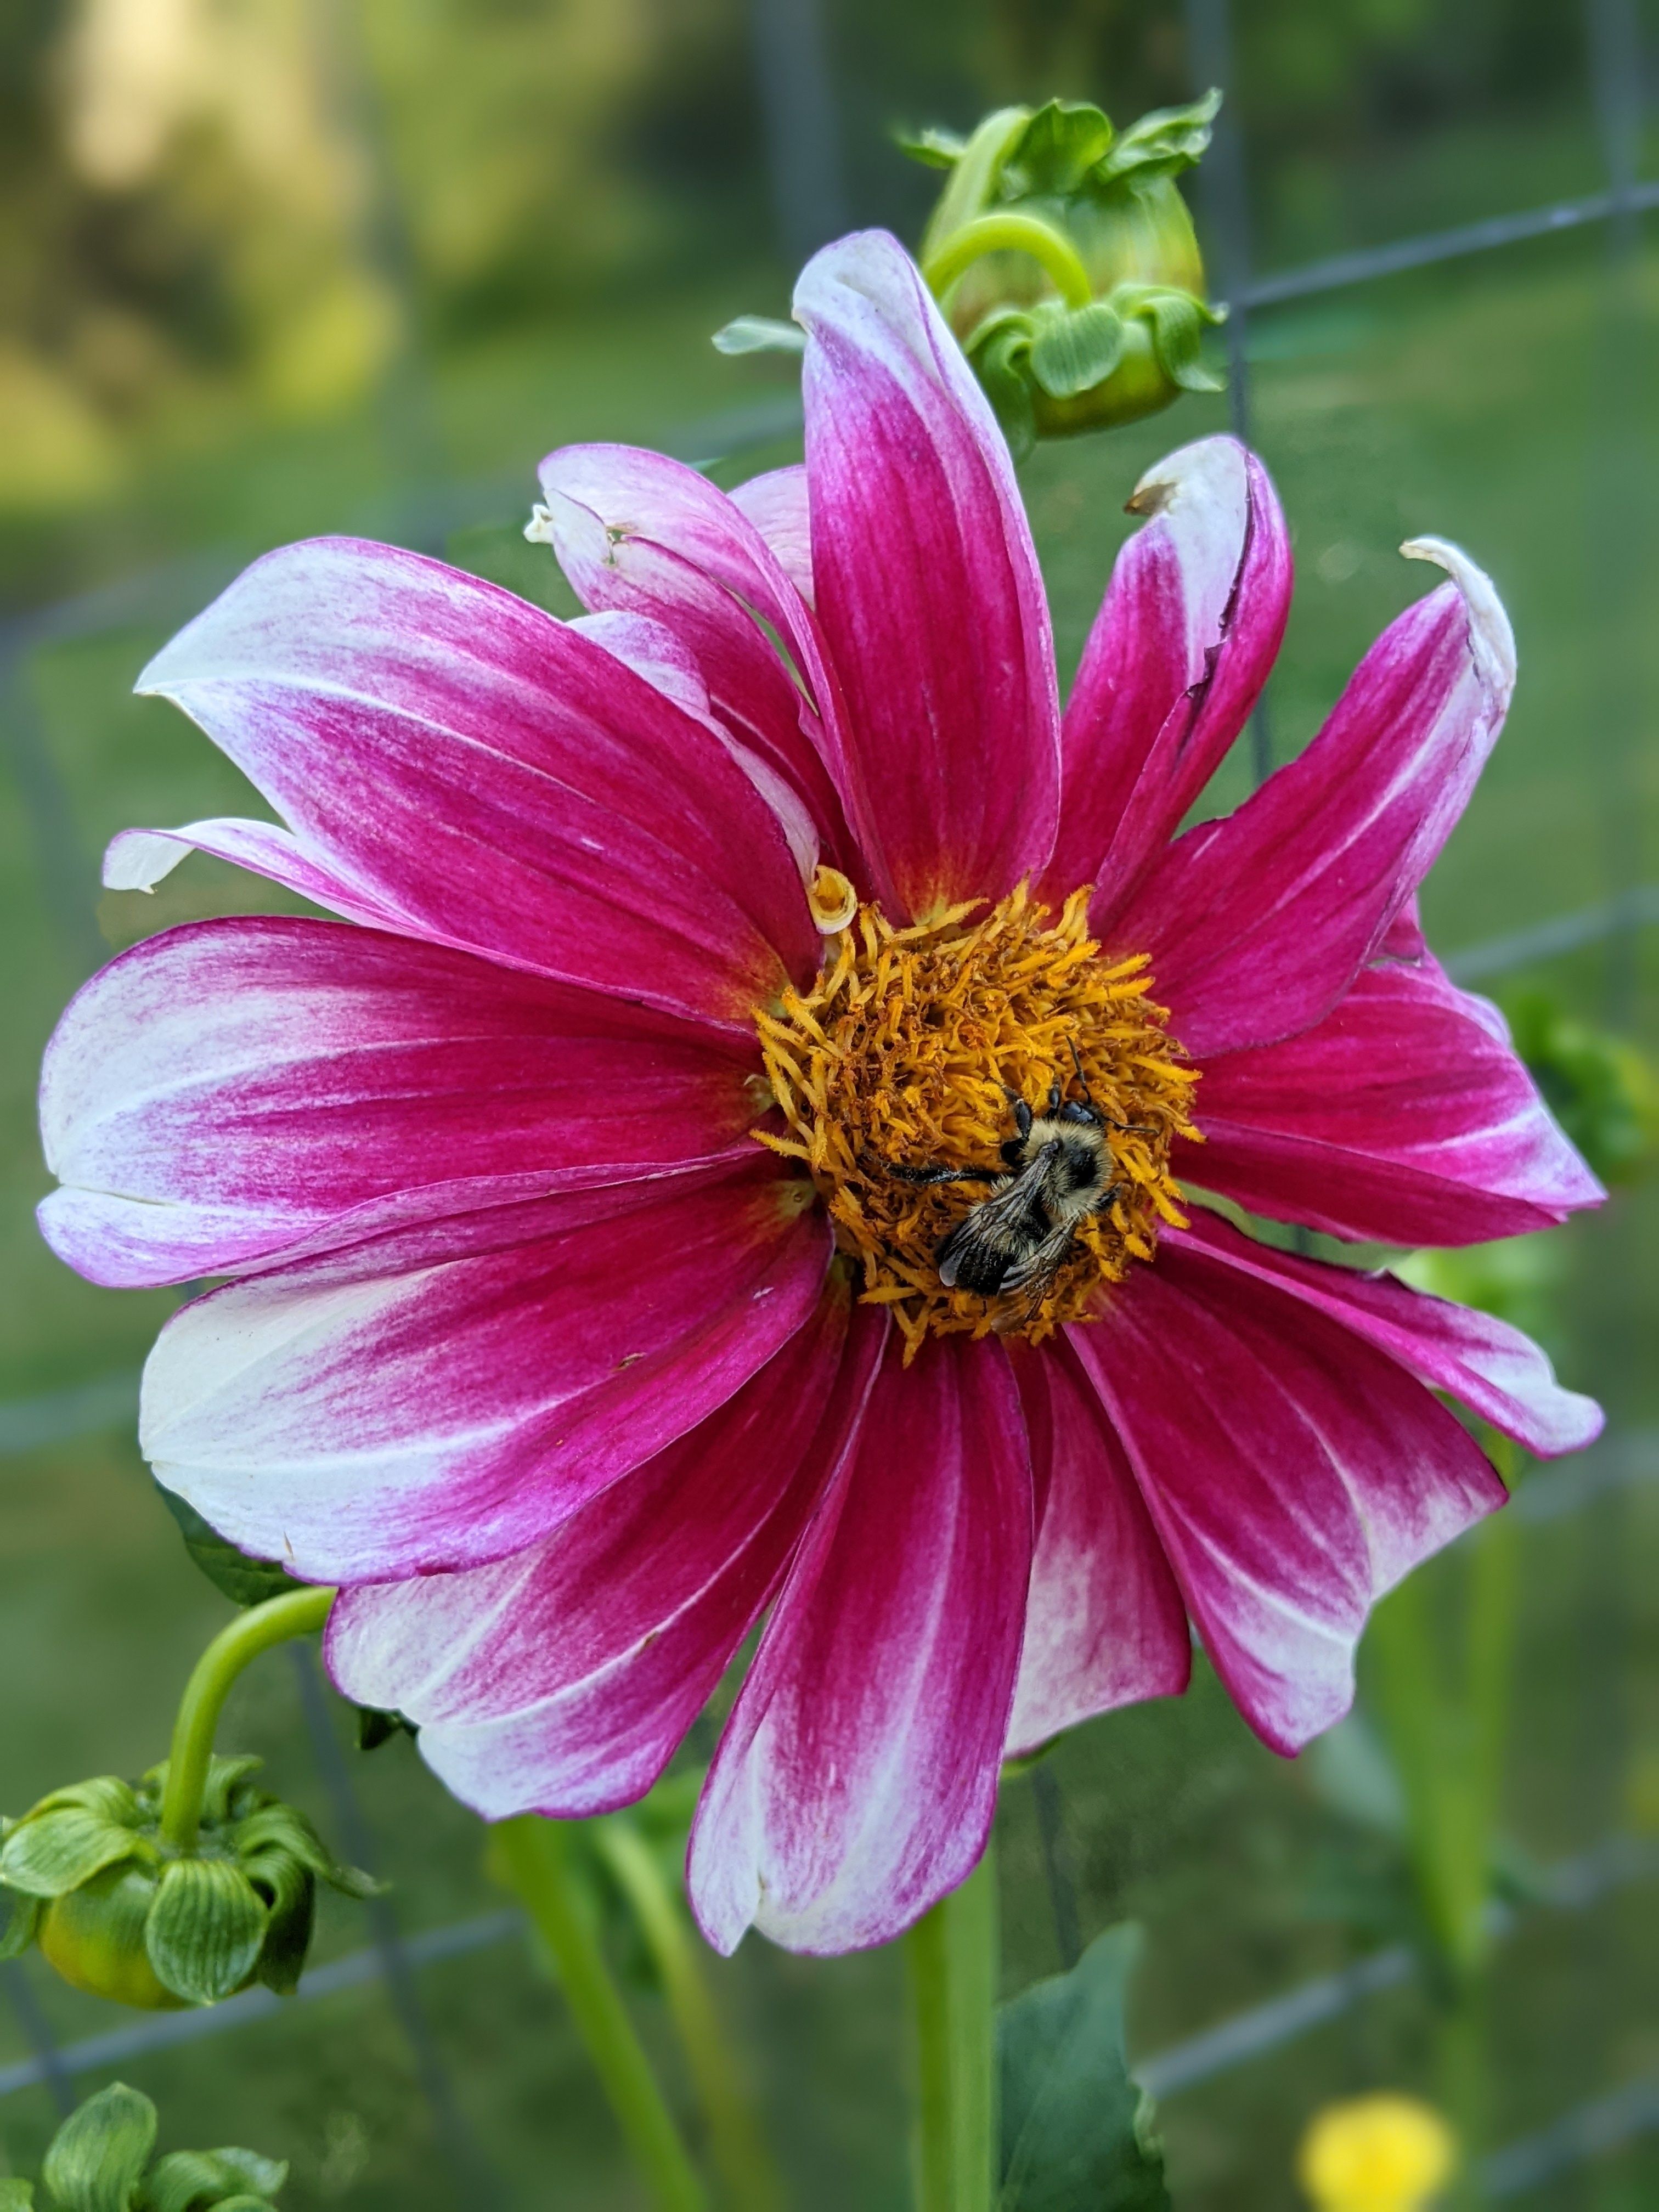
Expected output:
(1057, 1171)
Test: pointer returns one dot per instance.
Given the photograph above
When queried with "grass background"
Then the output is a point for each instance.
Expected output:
(1484, 402)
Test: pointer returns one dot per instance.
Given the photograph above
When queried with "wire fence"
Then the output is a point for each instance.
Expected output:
(792, 82)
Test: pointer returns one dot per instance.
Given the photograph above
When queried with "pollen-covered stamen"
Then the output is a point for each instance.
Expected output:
(909, 1051)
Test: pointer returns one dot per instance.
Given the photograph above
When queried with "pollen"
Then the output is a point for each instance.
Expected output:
(908, 1050)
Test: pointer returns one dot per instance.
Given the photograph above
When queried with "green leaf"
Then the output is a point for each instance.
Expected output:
(760, 334)
(192, 2180)
(1076, 2132)
(936, 149)
(50, 1856)
(95, 2161)
(1060, 144)
(1076, 350)
(16, 2196)
(1163, 143)
(243, 1580)
(205, 1930)
(22, 1917)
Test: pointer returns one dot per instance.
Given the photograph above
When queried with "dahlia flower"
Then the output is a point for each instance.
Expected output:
(576, 1322)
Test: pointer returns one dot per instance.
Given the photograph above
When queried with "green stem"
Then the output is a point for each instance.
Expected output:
(533, 1852)
(299, 1613)
(953, 1960)
(735, 2141)
(1010, 234)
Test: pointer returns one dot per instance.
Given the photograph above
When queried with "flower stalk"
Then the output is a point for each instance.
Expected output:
(533, 1856)
(953, 1956)
(257, 1631)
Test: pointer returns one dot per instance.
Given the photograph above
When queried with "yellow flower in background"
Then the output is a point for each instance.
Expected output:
(1380, 2153)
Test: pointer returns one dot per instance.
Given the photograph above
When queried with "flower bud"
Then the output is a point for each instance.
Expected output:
(122, 1912)
(100, 2161)
(1064, 256)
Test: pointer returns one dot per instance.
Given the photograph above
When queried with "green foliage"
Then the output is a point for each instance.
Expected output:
(1600, 1089)
(100, 2161)
(243, 1580)
(1077, 2132)
(118, 1912)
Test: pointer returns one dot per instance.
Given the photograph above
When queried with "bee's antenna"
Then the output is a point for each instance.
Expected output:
(1082, 1080)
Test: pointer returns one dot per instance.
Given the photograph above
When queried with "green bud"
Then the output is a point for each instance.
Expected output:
(100, 2161)
(1065, 258)
(119, 1911)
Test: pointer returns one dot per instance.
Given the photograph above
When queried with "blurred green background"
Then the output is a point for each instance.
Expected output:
(272, 267)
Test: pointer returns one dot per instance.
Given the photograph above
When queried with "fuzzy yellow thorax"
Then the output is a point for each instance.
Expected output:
(905, 1050)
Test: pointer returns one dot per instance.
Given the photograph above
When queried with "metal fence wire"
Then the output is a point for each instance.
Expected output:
(790, 52)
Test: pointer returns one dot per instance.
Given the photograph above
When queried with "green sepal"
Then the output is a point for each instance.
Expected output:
(1163, 143)
(97, 2158)
(1178, 322)
(205, 1930)
(1077, 2131)
(193, 2181)
(22, 1920)
(49, 1854)
(1075, 350)
(933, 149)
(275, 1827)
(95, 1938)
(375, 1726)
(16, 2195)
(106, 1795)
(1001, 354)
(241, 2203)
(1058, 149)
(760, 334)
(243, 1580)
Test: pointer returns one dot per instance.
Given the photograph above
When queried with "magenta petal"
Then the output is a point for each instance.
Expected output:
(561, 1679)
(1257, 925)
(1492, 1368)
(222, 1089)
(1182, 646)
(453, 1389)
(1403, 1116)
(638, 533)
(776, 503)
(138, 860)
(1105, 1624)
(928, 587)
(496, 777)
(857, 1776)
(1293, 1473)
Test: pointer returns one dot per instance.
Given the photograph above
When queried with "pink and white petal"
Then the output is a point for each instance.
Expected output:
(653, 652)
(451, 1390)
(857, 1776)
(222, 1089)
(1401, 1117)
(638, 533)
(1183, 642)
(1104, 1624)
(928, 586)
(1489, 1366)
(777, 504)
(138, 860)
(501, 781)
(561, 1679)
(1257, 924)
(1293, 1473)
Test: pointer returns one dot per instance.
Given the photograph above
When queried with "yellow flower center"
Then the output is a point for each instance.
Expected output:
(909, 1052)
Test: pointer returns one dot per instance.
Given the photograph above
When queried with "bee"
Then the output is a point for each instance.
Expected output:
(1057, 1171)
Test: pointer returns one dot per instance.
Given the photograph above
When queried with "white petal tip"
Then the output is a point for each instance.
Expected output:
(137, 860)
(1210, 468)
(1490, 639)
(539, 528)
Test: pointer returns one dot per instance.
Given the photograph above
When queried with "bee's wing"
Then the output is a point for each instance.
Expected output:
(997, 1234)
(1042, 1262)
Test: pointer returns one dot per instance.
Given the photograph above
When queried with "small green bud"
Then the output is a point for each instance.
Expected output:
(1065, 258)
(119, 1911)
(100, 2161)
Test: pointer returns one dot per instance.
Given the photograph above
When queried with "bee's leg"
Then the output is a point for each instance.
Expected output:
(1054, 1095)
(1082, 1080)
(1022, 1112)
(943, 1175)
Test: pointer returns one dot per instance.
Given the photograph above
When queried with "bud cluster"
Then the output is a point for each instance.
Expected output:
(1064, 258)
(121, 1911)
(101, 2161)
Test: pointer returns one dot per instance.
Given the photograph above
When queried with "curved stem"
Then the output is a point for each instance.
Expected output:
(533, 1853)
(734, 2138)
(953, 1959)
(1010, 234)
(299, 1612)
